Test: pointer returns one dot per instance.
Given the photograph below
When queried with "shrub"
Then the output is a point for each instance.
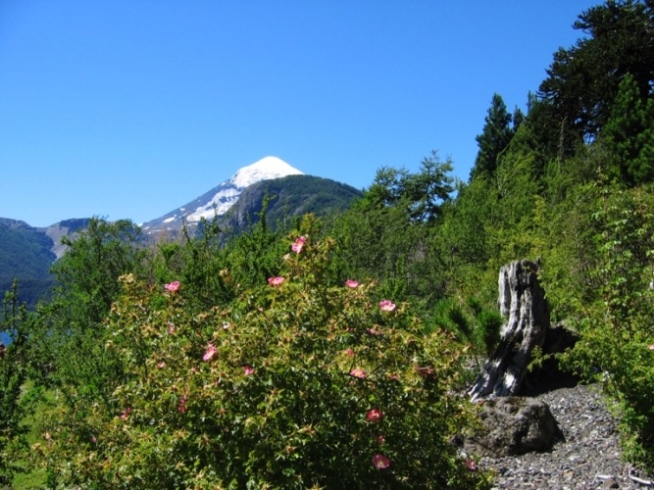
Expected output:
(13, 374)
(617, 336)
(296, 385)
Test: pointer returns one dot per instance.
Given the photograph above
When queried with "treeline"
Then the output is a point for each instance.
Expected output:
(340, 343)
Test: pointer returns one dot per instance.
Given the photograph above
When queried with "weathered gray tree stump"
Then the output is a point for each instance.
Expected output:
(522, 304)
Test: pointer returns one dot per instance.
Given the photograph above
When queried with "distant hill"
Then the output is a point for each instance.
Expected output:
(25, 253)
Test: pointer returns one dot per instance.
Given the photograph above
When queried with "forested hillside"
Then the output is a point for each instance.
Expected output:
(25, 253)
(343, 342)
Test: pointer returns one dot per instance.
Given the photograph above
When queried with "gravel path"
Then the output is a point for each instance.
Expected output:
(589, 458)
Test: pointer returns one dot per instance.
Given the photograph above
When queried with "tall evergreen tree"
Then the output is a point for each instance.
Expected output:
(629, 134)
(583, 80)
(494, 139)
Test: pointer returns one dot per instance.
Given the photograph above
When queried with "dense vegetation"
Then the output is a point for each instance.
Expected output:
(25, 253)
(330, 354)
(286, 199)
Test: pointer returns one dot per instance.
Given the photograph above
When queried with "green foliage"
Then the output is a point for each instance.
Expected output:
(471, 322)
(66, 339)
(297, 385)
(13, 373)
(382, 245)
(583, 80)
(254, 255)
(198, 260)
(617, 345)
(86, 275)
(287, 199)
(25, 254)
(421, 194)
(495, 138)
(629, 134)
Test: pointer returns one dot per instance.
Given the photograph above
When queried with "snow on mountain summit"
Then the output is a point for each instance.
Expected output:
(265, 169)
(218, 200)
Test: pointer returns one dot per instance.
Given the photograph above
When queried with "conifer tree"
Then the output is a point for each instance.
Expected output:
(629, 134)
(494, 139)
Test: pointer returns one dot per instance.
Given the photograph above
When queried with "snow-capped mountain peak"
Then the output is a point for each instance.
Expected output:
(220, 199)
(265, 169)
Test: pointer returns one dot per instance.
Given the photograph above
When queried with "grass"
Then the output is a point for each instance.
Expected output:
(33, 478)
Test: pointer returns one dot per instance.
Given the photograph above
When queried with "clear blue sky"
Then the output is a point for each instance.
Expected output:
(130, 108)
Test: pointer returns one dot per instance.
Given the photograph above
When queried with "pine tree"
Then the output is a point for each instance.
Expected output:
(629, 134)
(495, 138)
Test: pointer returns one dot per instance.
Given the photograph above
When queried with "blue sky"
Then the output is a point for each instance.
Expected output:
(130, 108)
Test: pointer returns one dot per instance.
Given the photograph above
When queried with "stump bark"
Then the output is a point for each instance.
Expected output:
(522, 304)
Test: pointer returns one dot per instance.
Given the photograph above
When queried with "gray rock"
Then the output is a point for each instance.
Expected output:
(514, 425)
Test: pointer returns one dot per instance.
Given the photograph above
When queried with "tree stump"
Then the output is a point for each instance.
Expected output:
(522, 304)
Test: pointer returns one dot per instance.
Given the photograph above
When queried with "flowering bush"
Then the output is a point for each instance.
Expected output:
(287, 388)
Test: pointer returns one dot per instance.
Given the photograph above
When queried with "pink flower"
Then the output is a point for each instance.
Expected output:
(351, 283)
(161, 365)
(374, 415)
(182, 404)
(425, 372)
(209, 353)
(470, 464)
(374, 331)
(380, 461)
(381, 439)
(358, 373)
(298, 244)
(94, 439)
(248, 370)
(386, 305)
(275, 281)
(173, 286)
(126, 413)
(171, 328)
(349, 352)
(650, 347)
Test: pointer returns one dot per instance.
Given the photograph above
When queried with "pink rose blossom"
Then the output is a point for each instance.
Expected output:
(209, 353)
(248, 370)
(381, 439)
(298, 244)
(349, 352)
(351, 283)
(161, 365)
(374, 415)
(380, 461)
(275, 281)
(470, 464)
(386, 305)
(358, 373)
(374, 331)
(126, 413)
(173, 286)
(425, 372)
(182, 404)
